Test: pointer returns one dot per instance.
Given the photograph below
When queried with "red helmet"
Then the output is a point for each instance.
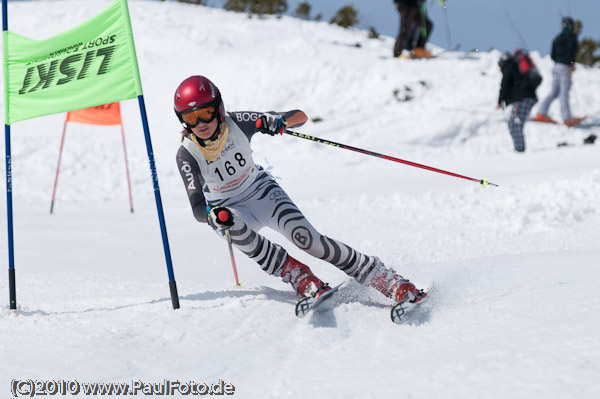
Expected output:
(196, 92)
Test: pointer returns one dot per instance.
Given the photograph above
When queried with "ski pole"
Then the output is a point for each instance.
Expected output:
(575, 92)
(224, 218)
(483, 181)
(514, 26)
(230, 245)
(443, 4)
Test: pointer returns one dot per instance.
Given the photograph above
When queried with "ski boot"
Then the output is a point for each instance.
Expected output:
(302, 279)
(394, 286)
(420, 52)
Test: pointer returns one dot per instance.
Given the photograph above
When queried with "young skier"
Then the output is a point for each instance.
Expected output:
(221, 178)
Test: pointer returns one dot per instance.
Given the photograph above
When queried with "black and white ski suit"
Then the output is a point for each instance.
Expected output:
(255, 199)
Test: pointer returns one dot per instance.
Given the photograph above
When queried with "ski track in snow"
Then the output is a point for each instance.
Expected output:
(514, 313)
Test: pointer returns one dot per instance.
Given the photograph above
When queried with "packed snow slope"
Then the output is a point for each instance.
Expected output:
(515, 309)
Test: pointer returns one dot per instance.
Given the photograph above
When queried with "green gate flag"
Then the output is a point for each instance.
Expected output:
(91, 64)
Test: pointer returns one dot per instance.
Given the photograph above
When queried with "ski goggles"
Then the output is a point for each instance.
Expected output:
(202, 113)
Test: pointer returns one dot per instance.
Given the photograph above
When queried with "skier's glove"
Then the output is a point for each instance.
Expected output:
(271, 123)
(220, 218)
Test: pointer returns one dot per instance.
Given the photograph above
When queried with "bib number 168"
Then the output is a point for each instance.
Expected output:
(229, 168)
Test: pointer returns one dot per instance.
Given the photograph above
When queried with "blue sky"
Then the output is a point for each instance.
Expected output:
(477, 24)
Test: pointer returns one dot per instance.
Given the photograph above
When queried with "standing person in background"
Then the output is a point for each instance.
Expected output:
(564, 51)
(415, 28)
(517, 90)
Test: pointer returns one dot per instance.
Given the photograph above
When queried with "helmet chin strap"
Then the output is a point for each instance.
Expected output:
(215, 134)
(211, 138)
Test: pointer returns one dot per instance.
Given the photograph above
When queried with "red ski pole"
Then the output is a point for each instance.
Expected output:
(483, 181)
(235, 275)
(223, 217)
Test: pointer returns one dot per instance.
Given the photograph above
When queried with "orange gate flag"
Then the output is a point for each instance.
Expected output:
(107, 114)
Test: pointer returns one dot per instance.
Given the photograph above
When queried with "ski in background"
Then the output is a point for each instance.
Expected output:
(573, 123)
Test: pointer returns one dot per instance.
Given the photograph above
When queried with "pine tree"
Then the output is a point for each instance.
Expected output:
(260, 7)
(237, 5)
(303, 10)
(586, 51)
(345, 17)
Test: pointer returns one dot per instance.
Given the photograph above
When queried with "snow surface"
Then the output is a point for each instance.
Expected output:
(516, 307)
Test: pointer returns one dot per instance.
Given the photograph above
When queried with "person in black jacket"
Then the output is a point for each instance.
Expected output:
(564, 51)
(517, 90)
(415, 28)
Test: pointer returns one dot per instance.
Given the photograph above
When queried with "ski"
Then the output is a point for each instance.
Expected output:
(305, 305)
(551, 122)
(449, 49)
(402, 311)
(586, 125)
(577, 122)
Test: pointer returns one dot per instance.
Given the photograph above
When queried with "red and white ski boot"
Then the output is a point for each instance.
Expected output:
(394, 286)
(302, 279)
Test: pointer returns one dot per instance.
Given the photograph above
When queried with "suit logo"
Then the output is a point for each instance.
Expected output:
(302, 237)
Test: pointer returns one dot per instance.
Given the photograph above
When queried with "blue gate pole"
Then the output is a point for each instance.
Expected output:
(12, 286)
(159, 208)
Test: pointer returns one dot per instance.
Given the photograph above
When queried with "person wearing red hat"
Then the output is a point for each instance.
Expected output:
(221, 178)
